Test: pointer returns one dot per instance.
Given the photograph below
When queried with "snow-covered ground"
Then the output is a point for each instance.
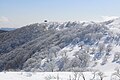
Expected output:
(51, 76)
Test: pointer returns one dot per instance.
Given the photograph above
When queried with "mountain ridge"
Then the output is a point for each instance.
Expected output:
(59, 46)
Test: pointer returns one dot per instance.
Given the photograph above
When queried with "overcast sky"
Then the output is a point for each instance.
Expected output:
(16, 13)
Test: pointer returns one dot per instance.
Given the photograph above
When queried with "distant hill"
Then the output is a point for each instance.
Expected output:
(7, 29)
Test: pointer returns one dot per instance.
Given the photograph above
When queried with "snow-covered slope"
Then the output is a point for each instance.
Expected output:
(114, 25)
(68, 46)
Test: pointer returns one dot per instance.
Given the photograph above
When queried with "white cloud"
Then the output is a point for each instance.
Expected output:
(106, 18)
(4, 19)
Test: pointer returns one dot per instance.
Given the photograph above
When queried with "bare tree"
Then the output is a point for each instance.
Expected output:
(101, 75)
(77, 76)
(49, 77)
(82, 75)
(70, 77)
(117, 69)
(117, 73)
(58, 78)
(94, 74)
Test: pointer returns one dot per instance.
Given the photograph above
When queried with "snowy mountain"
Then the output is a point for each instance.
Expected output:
(68, 46)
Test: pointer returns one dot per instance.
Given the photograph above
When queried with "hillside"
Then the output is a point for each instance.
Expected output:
(1, 31)
(68, 46)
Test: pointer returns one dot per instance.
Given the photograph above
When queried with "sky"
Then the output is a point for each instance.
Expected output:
(16, 13)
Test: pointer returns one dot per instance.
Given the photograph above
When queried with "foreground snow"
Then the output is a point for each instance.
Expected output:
(51, 76)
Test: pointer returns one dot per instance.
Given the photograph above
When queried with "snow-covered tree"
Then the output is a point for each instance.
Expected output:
(108, 49)
(93, 51)
(81, 44)
(53, 51)
(81, 59)
(116, 56)
(101, 47)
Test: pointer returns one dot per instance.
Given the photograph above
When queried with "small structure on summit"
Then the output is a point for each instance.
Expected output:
(45, 20)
